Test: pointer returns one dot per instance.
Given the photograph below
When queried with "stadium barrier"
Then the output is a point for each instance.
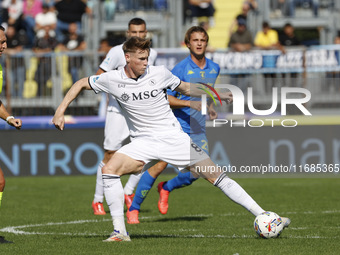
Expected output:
(36, 82)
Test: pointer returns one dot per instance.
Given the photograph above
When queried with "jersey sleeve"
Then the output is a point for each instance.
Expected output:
(112, 59)
(152, 57)
(170, 81)
(100, 83)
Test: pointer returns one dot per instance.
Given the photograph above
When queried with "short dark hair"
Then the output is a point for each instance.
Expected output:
(193, 30)
(135, 43)
(2, 28)
(287, 25)
(265, 24)
(137, 21)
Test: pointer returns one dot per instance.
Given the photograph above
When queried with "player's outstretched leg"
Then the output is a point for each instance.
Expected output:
(130, 187)
(97, 203)
(230, 188)
(236, 193)
(145, 184)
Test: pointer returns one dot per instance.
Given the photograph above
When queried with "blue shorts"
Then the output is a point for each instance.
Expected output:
(201, 140)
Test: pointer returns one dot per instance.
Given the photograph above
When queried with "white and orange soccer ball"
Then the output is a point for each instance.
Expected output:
(268, 225)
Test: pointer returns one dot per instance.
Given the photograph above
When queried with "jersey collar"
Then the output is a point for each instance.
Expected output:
(193, 64)
(125, 77)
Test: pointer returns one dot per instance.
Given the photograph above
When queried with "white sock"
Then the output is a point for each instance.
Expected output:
(236, 193)
(132, 183)
(114, 196)
(99, 192)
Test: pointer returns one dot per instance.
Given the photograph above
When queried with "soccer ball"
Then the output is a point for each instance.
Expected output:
(268, 225)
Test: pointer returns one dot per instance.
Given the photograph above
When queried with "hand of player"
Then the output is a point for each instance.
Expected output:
(227, 96)
(196, 105)
(59, 121)
(212, 113)
(15, 123)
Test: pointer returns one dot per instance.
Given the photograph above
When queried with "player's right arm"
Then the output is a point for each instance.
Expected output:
(9, 119)
(59, 119)
(179, 103)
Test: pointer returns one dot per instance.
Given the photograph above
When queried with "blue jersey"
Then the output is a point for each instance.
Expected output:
(192, 121)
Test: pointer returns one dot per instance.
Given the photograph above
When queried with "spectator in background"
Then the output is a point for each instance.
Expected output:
(44, 19)
(202, 8)
(333, 78)
(241, 41)
(3, 15)
(73, 42)
(314, 4)
(287, 37)
(104, 47)
(69, 11)
(267, 39)
(14, 9)
(337, 38)
(15, 44)
(246, 7)
(30, 10)
(43, 45)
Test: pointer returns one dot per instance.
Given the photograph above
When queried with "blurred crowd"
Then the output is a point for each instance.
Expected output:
(45, 26)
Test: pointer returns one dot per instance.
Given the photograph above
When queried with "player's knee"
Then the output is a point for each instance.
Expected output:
(161, 166)
(107, 169)
(157, 169)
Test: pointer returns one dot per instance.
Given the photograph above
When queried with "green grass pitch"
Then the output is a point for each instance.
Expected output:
(53, 215)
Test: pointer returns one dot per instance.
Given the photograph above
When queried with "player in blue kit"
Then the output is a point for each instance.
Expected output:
(195, 68)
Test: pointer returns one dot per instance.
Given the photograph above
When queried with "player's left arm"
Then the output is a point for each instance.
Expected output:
(9, 119)
(58, 118)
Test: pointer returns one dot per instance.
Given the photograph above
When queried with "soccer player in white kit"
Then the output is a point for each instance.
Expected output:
(154, 130)
(116, 132)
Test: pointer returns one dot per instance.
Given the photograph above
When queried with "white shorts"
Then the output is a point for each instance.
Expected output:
(175, 149)
(116, 133)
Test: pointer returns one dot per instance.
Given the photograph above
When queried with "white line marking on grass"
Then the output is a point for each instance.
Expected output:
(247, 236)
(314, 212)
(19, 229)
(16, 229)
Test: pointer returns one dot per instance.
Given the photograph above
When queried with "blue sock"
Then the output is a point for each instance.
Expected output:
(144, 185)
(181, 180)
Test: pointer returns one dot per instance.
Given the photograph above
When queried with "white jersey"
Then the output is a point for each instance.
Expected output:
(115, 59)
(144, 102)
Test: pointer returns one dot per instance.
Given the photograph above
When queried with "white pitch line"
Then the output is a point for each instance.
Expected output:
(18, 229)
